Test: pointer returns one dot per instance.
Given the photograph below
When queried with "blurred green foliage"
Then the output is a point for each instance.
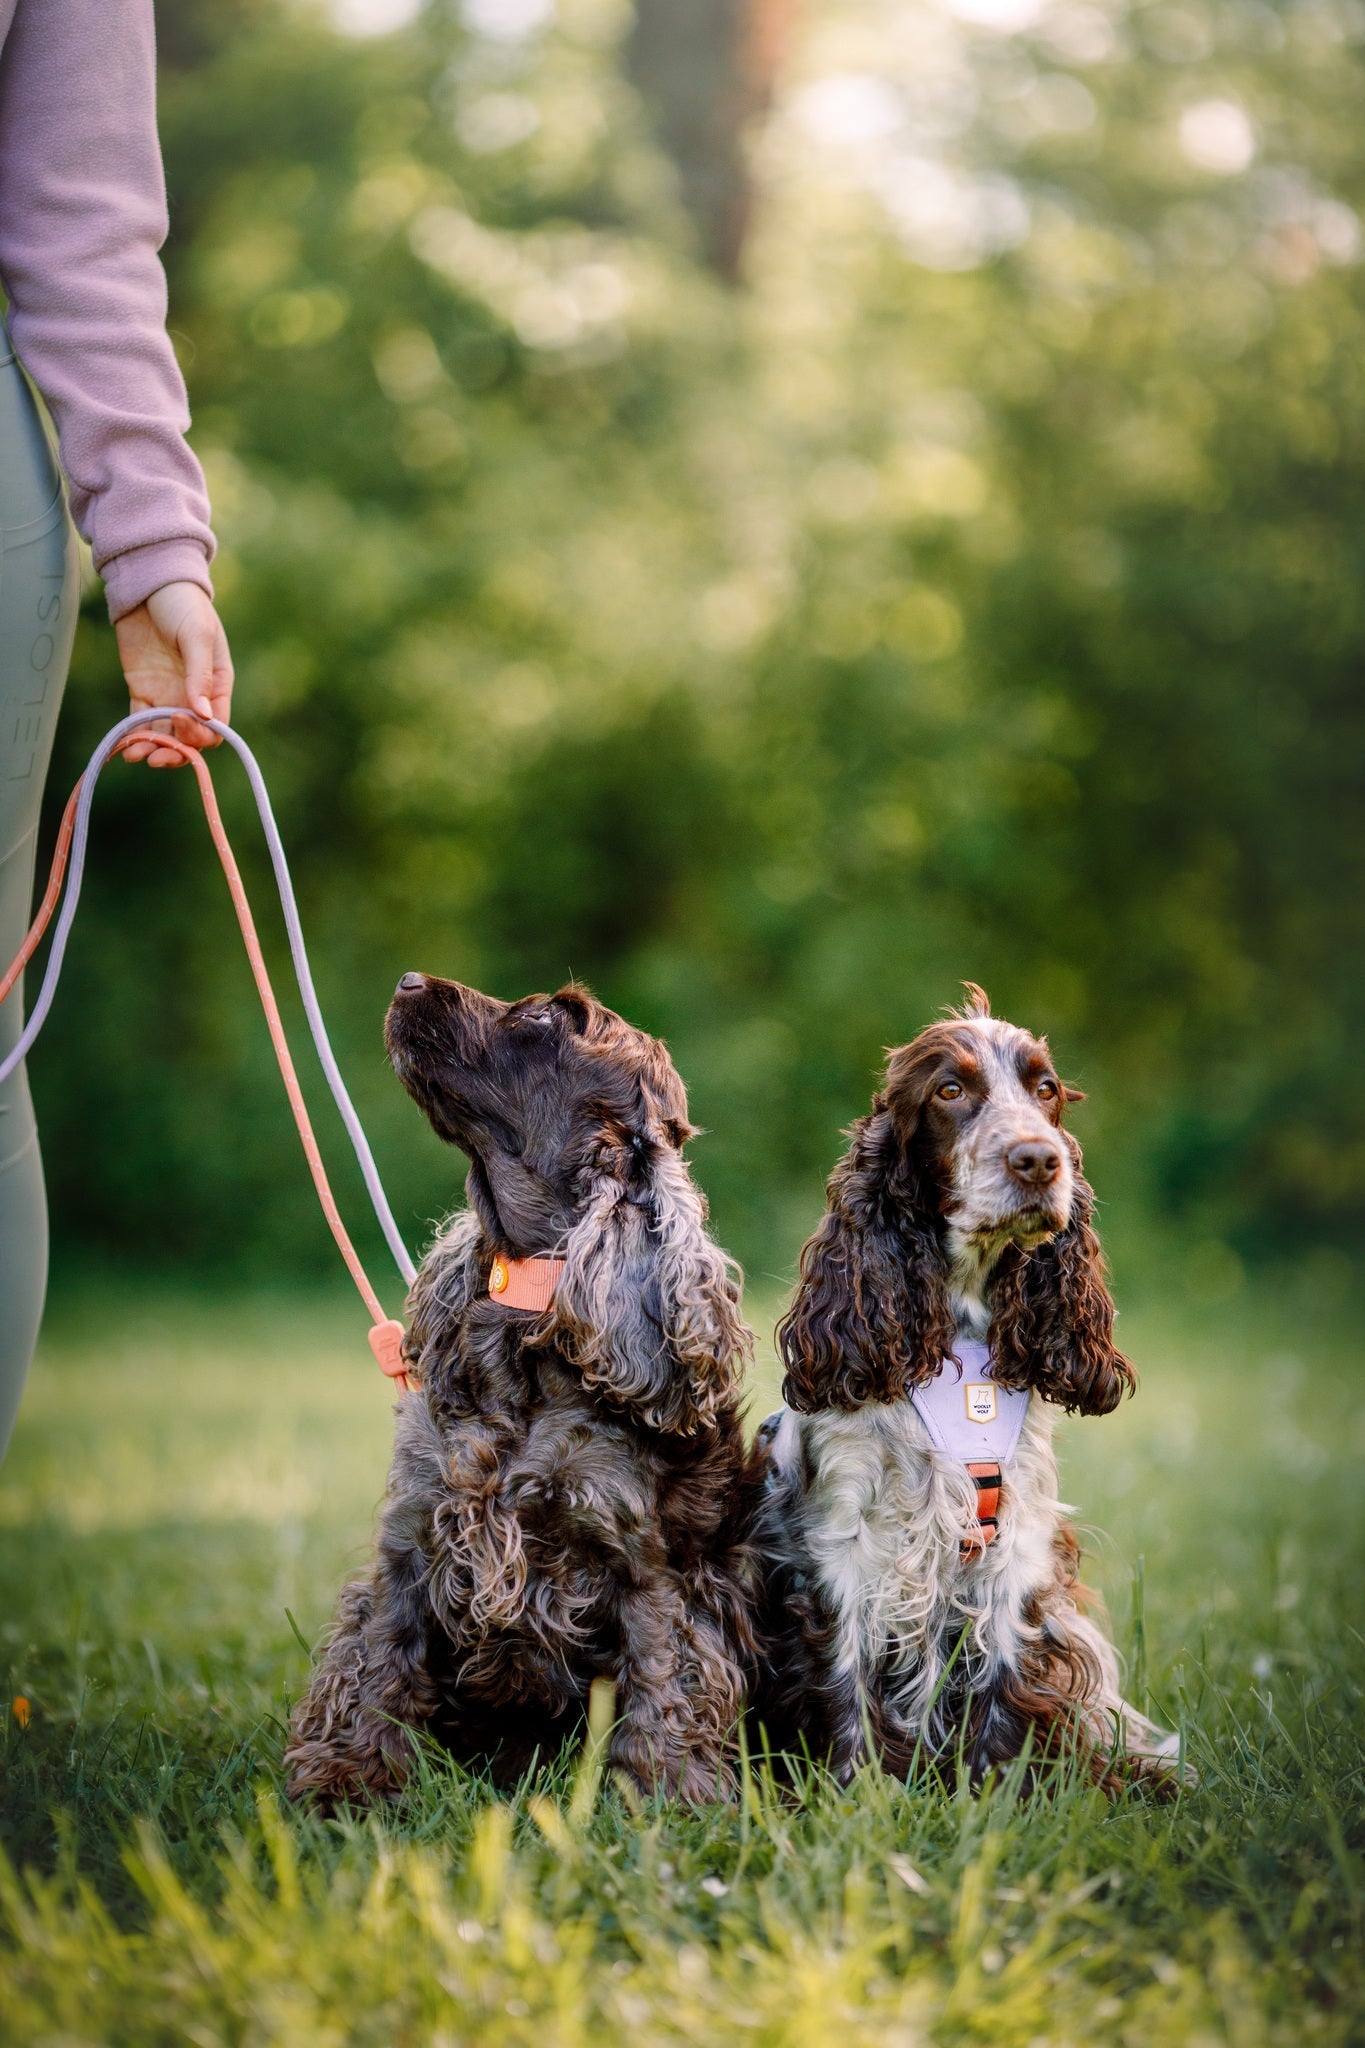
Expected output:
(975, 591)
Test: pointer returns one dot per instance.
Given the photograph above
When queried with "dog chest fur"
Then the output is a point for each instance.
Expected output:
(875, 1514)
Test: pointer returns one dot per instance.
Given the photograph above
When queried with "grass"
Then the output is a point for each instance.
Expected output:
(188, 1484)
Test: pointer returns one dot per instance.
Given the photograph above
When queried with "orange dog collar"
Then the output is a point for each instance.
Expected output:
(524, 1283)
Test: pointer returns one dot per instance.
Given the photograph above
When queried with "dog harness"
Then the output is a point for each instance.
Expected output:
(524, 1283)
(971, 1419)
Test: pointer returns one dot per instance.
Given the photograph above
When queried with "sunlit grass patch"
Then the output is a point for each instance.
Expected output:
(188, 1485)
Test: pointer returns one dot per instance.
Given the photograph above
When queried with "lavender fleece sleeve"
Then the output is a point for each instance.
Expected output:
(82, 217)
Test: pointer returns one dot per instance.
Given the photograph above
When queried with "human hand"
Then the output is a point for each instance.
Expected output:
(174, 651)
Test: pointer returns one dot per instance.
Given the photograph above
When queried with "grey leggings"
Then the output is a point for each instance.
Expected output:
(39, 592)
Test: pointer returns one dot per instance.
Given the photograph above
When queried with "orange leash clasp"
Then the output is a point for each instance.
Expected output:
(386, 1342)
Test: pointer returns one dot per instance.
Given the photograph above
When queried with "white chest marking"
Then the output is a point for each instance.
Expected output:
(885, 1511)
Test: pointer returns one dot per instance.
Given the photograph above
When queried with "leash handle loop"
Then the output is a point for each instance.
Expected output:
(386, 1335)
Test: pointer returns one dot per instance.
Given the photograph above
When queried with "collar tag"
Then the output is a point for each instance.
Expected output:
(980, 1399)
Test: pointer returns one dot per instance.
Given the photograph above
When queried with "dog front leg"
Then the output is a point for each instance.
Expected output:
(811, 1697)
(1061, 1695)
(349, 1735)
(661, 1740)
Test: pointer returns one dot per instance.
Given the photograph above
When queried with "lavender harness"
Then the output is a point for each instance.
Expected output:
(966, 1413)
(976, 1423)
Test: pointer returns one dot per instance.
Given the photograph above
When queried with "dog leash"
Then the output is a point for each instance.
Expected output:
(68, 863)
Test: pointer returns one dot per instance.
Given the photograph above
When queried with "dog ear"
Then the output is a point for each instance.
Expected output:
(662, 1108)
(1052, 1327)
(871, 1317)
(648, 1307)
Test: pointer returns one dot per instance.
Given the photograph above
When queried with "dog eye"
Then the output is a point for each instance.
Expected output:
(951, 1091)
(1046, 1090)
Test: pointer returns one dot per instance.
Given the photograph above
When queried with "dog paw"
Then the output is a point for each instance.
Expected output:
(369, 1771)
(706, 1782)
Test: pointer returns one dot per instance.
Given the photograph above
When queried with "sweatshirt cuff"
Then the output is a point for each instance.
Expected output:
(130, 578)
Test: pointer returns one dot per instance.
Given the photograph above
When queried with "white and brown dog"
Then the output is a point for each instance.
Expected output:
(921, 1582)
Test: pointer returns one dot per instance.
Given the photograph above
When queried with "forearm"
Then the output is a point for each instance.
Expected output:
(82, 217)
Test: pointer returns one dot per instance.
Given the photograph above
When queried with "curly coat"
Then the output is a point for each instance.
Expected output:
(568, 1487)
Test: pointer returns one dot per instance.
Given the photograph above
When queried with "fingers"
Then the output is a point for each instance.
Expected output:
(220, 692)
(162, 757)
(175, 652)
(154, 756)
(186, 729)
(198, 645)
(193, 734)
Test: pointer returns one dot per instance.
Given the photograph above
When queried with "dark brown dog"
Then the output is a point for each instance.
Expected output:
(567, 1485)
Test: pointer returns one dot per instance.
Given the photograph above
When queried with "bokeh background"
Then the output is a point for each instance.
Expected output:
(771, 507)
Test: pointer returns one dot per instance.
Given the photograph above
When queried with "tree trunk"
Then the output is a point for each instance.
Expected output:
(705, 70)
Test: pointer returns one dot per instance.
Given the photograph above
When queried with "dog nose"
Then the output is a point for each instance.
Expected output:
(408, 984)
(1036, 1161)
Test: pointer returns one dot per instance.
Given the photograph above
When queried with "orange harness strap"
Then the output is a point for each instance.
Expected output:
(988, 1484)
(386, 1335)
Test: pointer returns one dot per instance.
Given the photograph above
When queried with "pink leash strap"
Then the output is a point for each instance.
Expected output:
(386, 1334)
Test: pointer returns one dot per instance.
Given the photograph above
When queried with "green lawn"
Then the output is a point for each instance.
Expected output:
(189, 1475)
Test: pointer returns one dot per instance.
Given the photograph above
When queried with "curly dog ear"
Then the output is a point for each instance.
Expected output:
(871, 1317)
(648, 1307)
(1052, 1326)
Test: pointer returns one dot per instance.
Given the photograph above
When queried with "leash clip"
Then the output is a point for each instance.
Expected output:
(386, 1342)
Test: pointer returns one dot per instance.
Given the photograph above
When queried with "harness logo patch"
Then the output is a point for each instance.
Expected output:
(982, 1405)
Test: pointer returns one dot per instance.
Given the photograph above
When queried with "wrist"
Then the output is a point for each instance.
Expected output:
(137, 574)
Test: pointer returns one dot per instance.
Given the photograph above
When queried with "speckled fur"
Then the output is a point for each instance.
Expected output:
(879, 1628)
